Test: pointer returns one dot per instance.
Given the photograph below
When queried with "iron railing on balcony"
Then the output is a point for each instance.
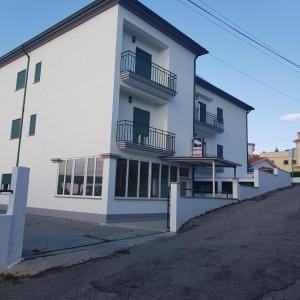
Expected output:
(208, 118)
(132, 63)
(139, 134)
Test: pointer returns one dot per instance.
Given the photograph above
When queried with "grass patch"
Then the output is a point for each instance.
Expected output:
(8, 278)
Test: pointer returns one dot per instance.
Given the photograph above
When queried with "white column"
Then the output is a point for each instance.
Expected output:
(235, 188)
(174, 209)
(17, 209)
(214, 178)
(109, 181)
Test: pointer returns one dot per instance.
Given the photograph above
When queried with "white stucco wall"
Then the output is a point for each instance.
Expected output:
(73, 102)
(234, 137)
(265, 182)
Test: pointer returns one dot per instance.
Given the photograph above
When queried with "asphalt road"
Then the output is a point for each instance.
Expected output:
(247, 251)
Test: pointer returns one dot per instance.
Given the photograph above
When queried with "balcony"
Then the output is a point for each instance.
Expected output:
(207, 123)
(150, 77)
(139, 137)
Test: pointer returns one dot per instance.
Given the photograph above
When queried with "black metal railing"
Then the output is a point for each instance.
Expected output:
(208, 118)
(134, 133)
(132, 63)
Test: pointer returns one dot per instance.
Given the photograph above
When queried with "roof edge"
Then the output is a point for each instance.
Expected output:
(214, 89)
(94, 9)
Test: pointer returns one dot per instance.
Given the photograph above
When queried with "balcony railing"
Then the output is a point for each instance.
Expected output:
(133, 133)
(148, 70)
(209, 119)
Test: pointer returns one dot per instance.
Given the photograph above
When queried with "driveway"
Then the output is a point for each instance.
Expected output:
(246, 251)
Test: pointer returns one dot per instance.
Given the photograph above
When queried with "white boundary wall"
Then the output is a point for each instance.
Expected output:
(264, 182)
(12, 223)
(185, 208)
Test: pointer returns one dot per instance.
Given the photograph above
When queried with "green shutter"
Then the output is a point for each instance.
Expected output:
(15, 129)
(220, 151)
(21, 77)
(220, 115)
(37, 74)
(141, 124)
(143, 63)
(32, 125)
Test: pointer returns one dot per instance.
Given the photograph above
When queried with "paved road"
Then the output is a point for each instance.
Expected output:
(246, 251)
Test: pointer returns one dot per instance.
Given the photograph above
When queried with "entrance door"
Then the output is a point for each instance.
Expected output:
(143, 63)
(141, 125)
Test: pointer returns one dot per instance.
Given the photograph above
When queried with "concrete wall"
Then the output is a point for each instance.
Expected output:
(184, 209)
(264, 182)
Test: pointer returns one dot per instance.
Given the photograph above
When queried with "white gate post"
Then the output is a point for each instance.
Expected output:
(17, 209)
(174, 209)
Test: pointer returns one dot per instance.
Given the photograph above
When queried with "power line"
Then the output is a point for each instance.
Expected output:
(255, 79)
(254, 40)
(238, 37)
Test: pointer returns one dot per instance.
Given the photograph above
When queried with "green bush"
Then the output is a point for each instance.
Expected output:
(296, 174)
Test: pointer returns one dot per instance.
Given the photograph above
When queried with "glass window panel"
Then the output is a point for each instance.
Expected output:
(6, 182)
(37, 74)
(68, 182)
(90, 177)
(32, 125)
(21, 77)
(133, 178)
(78, 182)
(144, 177)
(121, 177)
(174, 174)
(155, 181)
(15, 129)
(184, 172)
(164, 181)
(98, 178)
(61, 178)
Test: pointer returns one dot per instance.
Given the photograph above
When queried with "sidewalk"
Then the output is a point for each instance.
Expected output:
(56, 242)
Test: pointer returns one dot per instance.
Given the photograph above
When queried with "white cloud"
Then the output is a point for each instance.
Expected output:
(290, 117)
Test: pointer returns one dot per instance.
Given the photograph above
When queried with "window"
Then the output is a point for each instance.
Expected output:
(164, 181)
(220, 151)
(5, 182)
(202, 112)
(294, 162)
(173, 174)
(204, 187)
(144, 178)
(84, 180)
(21, 78)
(285, 162)
(78, 180)
(98, 177)
(32, 125)
(15, 129)
(121, 177)
(133, 178)
(227, 187)
(155, 180)
(184, 172)
(37, 73)
(220, 115)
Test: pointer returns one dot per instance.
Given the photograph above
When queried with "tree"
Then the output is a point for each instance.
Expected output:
(276, 149)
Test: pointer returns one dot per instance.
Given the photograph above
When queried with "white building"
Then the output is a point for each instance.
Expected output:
(109, 116)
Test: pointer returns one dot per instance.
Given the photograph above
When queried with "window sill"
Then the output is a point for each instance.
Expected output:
(139, 199)
(78, 197)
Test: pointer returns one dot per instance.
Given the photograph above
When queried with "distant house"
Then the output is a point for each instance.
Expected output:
(288, 160)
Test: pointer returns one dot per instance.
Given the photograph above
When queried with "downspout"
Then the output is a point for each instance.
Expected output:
(23, 106)
(247, 140)
(194, 98)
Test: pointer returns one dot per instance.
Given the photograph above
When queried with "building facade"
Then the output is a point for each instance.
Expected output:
(109, 115)
(288, 160)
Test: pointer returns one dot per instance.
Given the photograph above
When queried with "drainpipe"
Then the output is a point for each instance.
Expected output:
(247, 140)
(23, 106)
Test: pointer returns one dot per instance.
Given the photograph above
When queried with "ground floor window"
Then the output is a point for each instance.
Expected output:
(205, 187)
(143, 179)
(227, 187)
(5, 182)
(80, 177)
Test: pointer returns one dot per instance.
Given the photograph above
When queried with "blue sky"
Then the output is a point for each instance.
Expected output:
(274, 22)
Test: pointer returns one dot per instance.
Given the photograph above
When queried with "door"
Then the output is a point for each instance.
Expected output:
(202, 112)
(141, 126)
(143, 63)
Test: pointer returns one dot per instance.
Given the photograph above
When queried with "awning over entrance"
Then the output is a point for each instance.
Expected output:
(202, 161)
